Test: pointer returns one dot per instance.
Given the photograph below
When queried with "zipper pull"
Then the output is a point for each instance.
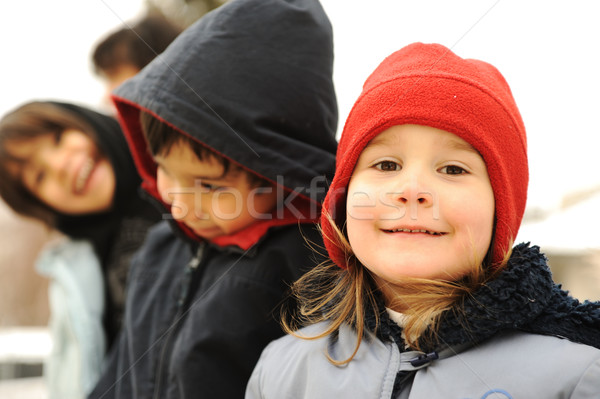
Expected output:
(187, 275)
(424, 359)
(195, 261)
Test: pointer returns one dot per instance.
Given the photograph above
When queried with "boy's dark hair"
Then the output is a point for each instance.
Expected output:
(136, 45)
(161, 137)
(27, 122)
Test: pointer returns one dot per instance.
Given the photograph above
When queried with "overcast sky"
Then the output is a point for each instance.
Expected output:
(547, 50)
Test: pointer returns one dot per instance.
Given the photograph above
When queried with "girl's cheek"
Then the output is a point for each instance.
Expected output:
(361, 205)
(367, 202)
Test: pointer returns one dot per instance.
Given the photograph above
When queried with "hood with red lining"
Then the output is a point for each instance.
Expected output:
(252, 81)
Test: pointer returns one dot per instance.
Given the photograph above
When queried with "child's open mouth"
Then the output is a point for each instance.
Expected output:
(83, 175)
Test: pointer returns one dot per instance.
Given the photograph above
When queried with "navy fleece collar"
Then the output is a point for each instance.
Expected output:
(523, 297)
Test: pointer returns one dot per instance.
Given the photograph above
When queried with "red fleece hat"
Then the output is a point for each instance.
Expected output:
(429, 85)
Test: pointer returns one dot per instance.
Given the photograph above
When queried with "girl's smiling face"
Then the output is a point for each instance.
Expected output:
(420, 204)
(65, 171)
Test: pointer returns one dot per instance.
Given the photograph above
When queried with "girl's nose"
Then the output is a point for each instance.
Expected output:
(54, 162)
(412, 190)
(414, 193)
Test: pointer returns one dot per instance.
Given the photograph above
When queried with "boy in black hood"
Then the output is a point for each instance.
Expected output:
(237, 118)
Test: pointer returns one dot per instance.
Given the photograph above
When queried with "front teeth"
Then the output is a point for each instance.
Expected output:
(84, 173)
(415, 231)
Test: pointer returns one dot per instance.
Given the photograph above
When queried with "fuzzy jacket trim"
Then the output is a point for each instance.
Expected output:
(523, 297)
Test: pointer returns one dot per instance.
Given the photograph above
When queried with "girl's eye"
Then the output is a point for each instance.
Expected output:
(387, 166)
(453, 170)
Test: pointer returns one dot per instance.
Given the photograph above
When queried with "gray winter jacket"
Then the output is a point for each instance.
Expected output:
(513, 365)
(510, 365)
(519, 336)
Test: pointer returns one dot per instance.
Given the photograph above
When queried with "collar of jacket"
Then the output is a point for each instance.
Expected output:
(523, 297)
(251, 235)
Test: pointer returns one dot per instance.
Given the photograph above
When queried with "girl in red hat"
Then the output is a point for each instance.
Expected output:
(426, 297)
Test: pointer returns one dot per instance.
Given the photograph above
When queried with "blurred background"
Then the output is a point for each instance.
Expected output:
(548, 52)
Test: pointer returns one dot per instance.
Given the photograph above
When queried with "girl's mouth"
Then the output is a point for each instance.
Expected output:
(433, 233)
(84, 174)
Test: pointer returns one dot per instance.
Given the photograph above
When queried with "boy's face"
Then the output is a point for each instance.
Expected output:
(208, 202)
(420, 204)
(66, 171)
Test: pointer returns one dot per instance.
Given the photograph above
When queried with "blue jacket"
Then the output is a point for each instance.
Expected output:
(76, 297)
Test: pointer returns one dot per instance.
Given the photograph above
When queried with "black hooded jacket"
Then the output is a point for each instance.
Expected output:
(252, 81)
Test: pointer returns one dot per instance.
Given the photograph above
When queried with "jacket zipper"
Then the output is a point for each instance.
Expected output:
(190, 270)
